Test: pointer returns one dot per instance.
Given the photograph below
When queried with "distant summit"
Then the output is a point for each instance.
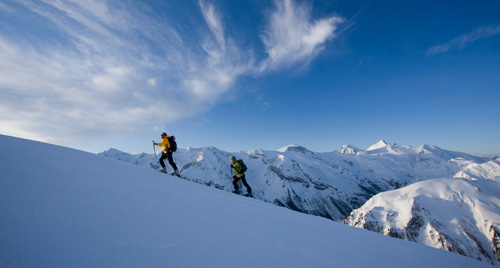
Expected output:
(378, 145)
(293, 147)
(348, 149)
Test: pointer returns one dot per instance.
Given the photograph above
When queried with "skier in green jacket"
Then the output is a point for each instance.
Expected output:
(240, 175)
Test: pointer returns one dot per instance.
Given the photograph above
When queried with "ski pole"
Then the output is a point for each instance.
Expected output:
(154, 149)
(231, 172)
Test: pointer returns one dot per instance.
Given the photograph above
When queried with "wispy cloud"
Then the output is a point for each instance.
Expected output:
(102, 67)
(224, 60)
(95, 85)
(460, 42)
(292, 37)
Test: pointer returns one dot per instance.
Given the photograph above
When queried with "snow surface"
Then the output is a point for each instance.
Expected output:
(485, 171)
(456, 214)
(61, 207)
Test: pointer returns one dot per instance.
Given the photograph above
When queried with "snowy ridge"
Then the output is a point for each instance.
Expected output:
(348, 149)
(325, 184)
(457, 215)
(486, 171)
(74, 209)
(140, 159)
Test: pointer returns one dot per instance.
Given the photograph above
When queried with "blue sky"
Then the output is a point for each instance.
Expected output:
(243, 75)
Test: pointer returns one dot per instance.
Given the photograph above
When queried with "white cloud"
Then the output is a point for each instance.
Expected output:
(112, 79)
(291, 37)
(152, 81)
(460, 42)
(100, 68)
(214, 22)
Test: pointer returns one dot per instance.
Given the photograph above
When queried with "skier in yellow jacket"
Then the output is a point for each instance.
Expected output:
(166, 153)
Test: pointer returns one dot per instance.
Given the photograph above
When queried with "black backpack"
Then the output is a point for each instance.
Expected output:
(243, 166)
(173, 144)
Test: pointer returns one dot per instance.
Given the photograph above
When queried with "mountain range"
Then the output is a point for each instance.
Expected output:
(356, 186)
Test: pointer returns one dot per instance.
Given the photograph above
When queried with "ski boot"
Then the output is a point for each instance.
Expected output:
(176, 173)
(237, 192)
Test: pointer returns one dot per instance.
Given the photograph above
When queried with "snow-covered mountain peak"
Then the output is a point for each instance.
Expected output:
(430, 149)
(378, 145)
(255, 152)
(439, 154)
(141, 159)
(294, 148)
(452, 214)
(112, 152)
(485, 171)
(348, 149)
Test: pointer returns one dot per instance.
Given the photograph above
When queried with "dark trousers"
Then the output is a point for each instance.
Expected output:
(167, 155)
(242, 178)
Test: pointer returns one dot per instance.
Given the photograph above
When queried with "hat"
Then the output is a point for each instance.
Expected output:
(163, 133)
(233, 158)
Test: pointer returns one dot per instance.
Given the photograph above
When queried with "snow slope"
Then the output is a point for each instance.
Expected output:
(485, 171)
(65, 208)
(456, 214)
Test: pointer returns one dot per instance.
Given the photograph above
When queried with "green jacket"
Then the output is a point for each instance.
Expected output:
(237, 168)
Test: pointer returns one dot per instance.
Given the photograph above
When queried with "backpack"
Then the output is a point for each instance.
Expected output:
(243, 166)
(173, 144)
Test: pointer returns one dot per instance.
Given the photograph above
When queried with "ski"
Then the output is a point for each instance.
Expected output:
(240, 193)
(172, 174)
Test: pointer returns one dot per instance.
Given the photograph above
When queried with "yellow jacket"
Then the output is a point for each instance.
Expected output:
(164, 143)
